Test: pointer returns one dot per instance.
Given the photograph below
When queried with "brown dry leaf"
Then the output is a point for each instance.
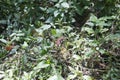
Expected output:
(59, 41)
(65, 53)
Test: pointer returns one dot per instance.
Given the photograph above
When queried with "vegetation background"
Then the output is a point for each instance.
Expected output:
(59, 39)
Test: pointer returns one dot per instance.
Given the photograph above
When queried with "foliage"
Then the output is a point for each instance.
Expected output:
(59, 39)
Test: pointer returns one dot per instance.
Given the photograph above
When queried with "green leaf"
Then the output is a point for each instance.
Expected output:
(53, 31)
(50, 10)
(101, 23)
(113, 37)
(42, 64)
(17, 34)
(90, 24)
(25, 45)
(59, 32)
(89, 30)
(102, 51)
(104, 30)
(43, 51)
(3, 21)
(93, 18)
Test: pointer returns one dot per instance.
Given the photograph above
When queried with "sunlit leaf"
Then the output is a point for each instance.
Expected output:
(86, 77)
(71, 76)
(3, 40)
(54, 0)
(49, 20)
(40, 31)
(2, 74)
(65, 5)
(42, 64)
(89, 30)
(56, 13)
(59, 32)
(90, 23)
(45, 27)
(76, 57)
(56, 77)
(104, 30)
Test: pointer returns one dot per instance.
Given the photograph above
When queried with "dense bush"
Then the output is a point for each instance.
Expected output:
(59, 39)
